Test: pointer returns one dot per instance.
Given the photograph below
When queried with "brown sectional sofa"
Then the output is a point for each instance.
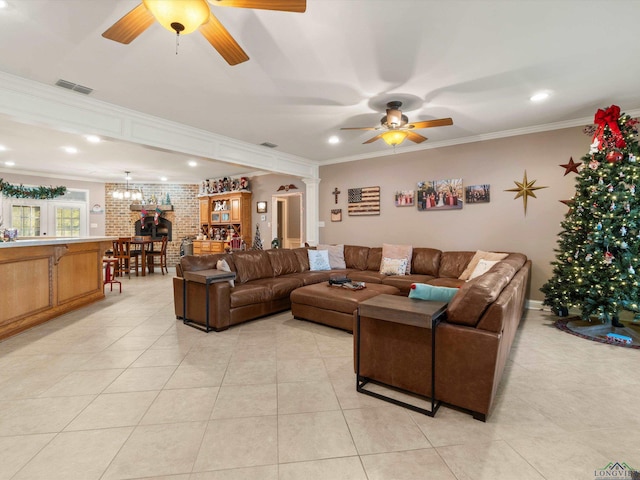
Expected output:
(472, 343)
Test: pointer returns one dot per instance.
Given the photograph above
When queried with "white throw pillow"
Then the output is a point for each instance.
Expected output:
(398, 251)
(318, 260)
(336, 256)
(482, 267)
(224, 266)
(393, 266)
(480, 255)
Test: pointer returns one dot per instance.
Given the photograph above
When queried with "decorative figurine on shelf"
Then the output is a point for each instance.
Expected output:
(275, 243)
(244, 183)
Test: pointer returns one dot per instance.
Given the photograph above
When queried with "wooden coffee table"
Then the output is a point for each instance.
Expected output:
(405, 314)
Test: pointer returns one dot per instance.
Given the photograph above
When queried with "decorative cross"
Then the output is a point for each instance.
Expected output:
(336, 192)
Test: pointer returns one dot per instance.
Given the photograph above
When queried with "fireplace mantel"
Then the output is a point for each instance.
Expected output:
(151, 208)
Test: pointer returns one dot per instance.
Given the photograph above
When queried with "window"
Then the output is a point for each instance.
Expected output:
(67, 222)
(26, 218)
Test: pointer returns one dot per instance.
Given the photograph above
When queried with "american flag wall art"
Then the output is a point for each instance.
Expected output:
(364, 201)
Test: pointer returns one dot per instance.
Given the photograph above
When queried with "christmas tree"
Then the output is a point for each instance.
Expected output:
(257, 241)
(597, 255)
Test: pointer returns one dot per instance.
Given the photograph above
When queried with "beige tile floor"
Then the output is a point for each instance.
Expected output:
(121, 390)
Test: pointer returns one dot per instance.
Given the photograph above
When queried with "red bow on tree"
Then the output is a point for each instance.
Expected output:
(608, 117)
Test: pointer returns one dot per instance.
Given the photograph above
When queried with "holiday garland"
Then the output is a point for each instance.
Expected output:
(40, 193)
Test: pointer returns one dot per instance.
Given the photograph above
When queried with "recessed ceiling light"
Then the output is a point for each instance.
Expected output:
(3, 4)
(9, 163)
(193, 163)
(164, 179)
(93, 138)
(3, 148)
(334, 139)
(538, 97)
(70, 149)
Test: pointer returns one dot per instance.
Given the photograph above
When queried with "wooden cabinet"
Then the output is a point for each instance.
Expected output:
(221, 214)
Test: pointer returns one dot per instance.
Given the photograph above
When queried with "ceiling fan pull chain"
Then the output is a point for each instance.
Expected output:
(177, 41)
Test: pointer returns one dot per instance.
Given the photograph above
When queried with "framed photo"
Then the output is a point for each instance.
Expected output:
(477, 194)
(261, 207)
(404, 198)
(440, 195)
(336, 215)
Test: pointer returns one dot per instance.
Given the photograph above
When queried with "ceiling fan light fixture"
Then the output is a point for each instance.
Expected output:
(180, 16)
(394, 137)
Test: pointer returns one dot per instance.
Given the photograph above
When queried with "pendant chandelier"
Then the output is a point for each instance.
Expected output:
(127, 193)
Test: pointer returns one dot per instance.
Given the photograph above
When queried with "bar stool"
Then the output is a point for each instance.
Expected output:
(110, 264)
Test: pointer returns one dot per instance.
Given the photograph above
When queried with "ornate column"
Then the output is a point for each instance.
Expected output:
(312, 201)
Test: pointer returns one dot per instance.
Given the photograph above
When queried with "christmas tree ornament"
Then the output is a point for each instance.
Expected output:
(632, 158)
(588, 257)
(594, 147)
(624, 245)
(608, 257)
(632, 270)
(614, 156)
(623, 230)
(610, 188)
(613, 206)
(600, 182)
(594, 164)
(599, 226)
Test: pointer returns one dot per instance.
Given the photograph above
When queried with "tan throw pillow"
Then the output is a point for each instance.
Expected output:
(398, 251)
(480, 255)
(336, 256)
(393, 266)
(224, 266)
(483, 267)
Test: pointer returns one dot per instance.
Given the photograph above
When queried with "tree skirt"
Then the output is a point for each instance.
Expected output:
(597, 331)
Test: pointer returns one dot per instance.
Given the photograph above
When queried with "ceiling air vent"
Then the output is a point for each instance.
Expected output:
(269, 144)
(74, 86)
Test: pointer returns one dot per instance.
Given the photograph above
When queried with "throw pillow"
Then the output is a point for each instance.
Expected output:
(480, 255)
(398, 251)
(336, 256)
(224, 266)
(482, 267)
(393, 266)
(424, 291)
(318, 260)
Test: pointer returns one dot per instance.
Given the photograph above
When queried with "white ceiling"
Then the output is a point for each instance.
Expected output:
(310, 74)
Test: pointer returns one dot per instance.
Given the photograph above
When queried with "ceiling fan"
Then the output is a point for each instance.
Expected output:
(397, 126)
(185, 16)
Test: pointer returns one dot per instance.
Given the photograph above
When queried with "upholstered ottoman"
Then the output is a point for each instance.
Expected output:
(333, 306)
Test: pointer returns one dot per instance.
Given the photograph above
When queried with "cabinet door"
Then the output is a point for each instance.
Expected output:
(204, 210)
(235, 210)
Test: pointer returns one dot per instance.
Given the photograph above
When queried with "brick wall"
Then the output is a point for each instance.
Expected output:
(120, 220)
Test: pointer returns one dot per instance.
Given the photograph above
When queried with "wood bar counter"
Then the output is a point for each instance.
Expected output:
(43, 278)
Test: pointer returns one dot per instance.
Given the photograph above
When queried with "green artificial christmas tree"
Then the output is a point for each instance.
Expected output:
(598, 250)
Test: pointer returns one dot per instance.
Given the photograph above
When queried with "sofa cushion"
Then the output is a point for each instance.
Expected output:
(398, 251)
(482, 267)
(336, 256)
(367, 276)
(425, 261)
(224, 266)
(195, 263)
(283, 261)
(318, 260)
(356, 257)
(452, 264)
(252, 265)
(303, 257)
(479, 255)
(374, 259)
(403, 282)
(280, 287)
(476, 295)
(249, 294)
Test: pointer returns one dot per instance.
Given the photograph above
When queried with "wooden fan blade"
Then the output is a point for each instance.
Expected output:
(297, 6)
(415, 137)
(373, 139)
(440, 122)
(359, 128)
(222, 41)
(130, 26)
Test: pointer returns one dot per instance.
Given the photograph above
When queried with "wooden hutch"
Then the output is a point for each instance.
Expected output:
(221, 216)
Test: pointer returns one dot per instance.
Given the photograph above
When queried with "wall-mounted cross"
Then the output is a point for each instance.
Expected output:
(336, 192)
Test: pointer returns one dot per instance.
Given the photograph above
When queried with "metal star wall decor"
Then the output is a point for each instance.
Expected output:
(571, 166)
(525, 189)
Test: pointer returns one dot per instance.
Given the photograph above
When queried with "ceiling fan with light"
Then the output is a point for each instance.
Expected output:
(186, 16)
(397, 126)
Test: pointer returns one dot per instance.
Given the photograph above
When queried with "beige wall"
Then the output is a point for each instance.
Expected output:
(498, 225)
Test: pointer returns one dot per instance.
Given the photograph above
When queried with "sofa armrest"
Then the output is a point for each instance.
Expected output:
(219, 303)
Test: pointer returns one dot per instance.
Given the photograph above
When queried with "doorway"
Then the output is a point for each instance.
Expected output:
(288, 219)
